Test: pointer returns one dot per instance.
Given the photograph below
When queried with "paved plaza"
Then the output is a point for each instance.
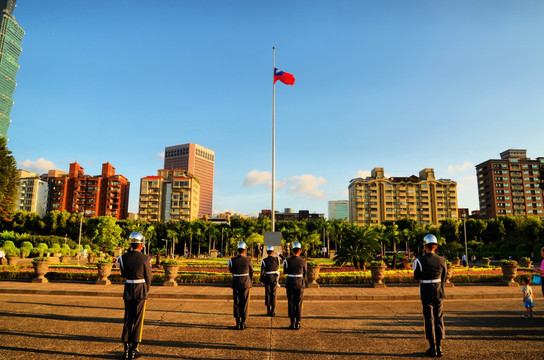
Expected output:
(197, 324)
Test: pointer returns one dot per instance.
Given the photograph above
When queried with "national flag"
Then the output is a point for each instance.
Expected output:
(284, 77)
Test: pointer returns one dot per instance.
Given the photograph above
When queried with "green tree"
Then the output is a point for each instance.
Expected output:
(360, 245)
(107, 234)
(9, 181)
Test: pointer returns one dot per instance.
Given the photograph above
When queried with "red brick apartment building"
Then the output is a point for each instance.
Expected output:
(101, 195)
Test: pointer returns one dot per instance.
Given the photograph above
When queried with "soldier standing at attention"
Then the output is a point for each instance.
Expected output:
(431, 270)
(270, 275)
(136, 269)
(295, 268)
(241, 268)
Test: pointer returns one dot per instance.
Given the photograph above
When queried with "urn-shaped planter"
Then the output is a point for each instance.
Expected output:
(312, 275)
(509, 272)
(525, 264)
(40, 269)
(13, 260)
(64, 259)
(456, 262)
(104, 270)
(170, 273)
(378, 274)
(485, 262)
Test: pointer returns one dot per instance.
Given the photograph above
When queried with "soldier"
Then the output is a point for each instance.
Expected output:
(136, 268)
(241, 268)
(295, 268)
(431, 270)
(269, 277)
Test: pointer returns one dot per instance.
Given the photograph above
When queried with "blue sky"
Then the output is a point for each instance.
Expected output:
(403, 85)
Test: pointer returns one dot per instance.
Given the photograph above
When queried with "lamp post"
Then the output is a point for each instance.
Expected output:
(79, 240)
(465, 231)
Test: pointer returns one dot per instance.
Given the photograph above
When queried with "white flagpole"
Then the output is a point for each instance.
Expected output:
(273, 215)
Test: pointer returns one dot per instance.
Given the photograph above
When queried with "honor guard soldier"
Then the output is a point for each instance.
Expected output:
(136, 268)
(241, 268)
(431, 270)
(295, 268)
(269, 277)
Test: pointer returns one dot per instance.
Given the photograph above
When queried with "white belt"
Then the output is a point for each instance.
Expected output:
(294, 275)
(272, 272)
(139, 281)
(240, 274)
(431, 281)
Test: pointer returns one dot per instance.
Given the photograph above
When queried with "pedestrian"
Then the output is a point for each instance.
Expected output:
(241, 268)
(136, 269)
(431, 270)
(295, 268)
(270, 275)
(464, 260)
(528, 297)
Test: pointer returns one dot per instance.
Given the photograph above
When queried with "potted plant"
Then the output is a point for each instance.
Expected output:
(525, 262)
(485, 261)
(171, 267)
(448, 275)
(41, 266)
(377, 270)
(312, 274)
(65, 255)
(509, 271)
(12, 254)
(104, 266)
(456, 261)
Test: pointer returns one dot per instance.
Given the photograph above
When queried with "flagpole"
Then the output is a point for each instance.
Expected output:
(273, 215)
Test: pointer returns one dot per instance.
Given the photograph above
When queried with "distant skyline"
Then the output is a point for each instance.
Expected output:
(397, 84)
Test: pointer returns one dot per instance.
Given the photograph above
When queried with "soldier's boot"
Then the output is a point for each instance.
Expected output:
(439, 350)
(134, 352)
(432, 349)
(297, 324)
(272, 310)
(126, 351)
(237, 323)
(292, 326)
(267, 310)
(242, 323)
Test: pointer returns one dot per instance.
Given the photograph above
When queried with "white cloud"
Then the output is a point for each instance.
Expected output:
(466, 182)
(460, 168)
(255, 178)
(363, 174)
(307, 185)
(160, 155)
(39, 166)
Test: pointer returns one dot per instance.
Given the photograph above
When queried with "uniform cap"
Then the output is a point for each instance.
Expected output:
(241, 245)
(296, 245)
(136, 238)
(270, 248)
(430, 239)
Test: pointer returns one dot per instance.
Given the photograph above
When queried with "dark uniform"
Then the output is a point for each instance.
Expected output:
(270, 275)
(241, 268)
(295, 268)
(136, 268)
(431, 270)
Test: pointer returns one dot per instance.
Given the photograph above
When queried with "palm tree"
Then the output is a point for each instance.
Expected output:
(360, 245)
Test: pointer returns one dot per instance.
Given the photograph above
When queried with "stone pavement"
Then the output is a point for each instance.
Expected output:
(222, 292)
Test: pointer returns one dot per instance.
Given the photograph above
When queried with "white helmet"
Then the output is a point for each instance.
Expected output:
(270, 248)
(136, 238)
(242, 245)
(430, 239)
(296, 245)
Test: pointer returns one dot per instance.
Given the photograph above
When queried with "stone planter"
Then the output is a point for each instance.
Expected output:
(90, 258)
(378, 273)
(64, 259)
(13, 260)
(509, 272)
(456, 262)
(525, 264)
(312, 275)
(332, 254)
(40, 269)
(104, 270)
(447, 283)
(170, 273)
(213, 254)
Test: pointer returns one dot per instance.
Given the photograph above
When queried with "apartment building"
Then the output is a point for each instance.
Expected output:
(171, 195)
(424, 198)
(33, 193)
(511, 185)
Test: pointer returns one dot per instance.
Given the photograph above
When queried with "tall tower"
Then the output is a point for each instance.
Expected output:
(198, 161)
(11, 35)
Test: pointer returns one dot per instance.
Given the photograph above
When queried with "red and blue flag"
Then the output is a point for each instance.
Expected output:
(284, 77)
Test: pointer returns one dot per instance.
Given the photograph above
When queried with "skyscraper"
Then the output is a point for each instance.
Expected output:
(11, 35)
(198, 161)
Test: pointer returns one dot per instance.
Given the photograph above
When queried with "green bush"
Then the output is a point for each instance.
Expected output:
(8, 244)
(12, 252)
